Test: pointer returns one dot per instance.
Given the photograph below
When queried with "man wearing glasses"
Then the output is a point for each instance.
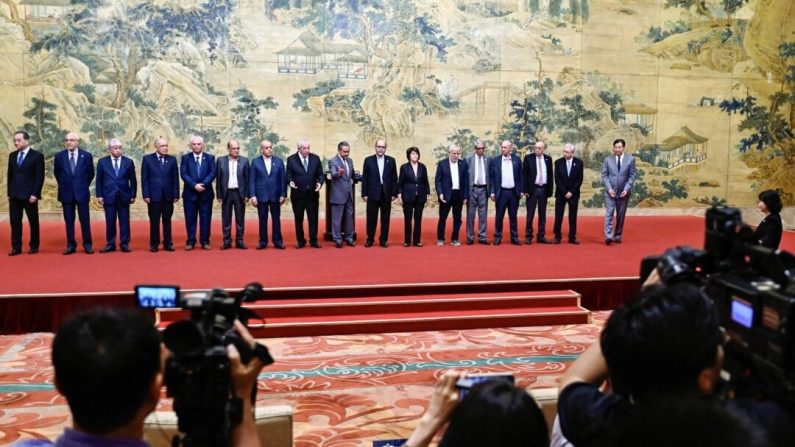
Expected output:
(379, 189)
(74, 171)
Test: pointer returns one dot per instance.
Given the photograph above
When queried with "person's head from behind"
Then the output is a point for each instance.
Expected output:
(496, 413)
(108, 367)
(665, 340)
(770, 201)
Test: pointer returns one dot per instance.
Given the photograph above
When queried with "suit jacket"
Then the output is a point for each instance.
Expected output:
(159, 182)
(617, 180)
(566, 182)
(74, 187)
(531, 171)
(341, 187)
(495, 176)
(267, 187)
(191, 178)
(305, 180)
(472, 164)
(26, 180)
(444, 179)
(768, 233)
(371, 180)
(116, 189)
(222, 176)
(413, 188)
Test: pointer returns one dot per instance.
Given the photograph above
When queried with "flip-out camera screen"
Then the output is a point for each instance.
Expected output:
(742, 313)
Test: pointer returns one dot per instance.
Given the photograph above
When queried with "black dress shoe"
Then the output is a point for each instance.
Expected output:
(574, 241)
(300, 245)
(497, 241)
(384, 244)
(338, 244)
(206, 247)
(608, 241)
(69, 250)
(226, 246)
(154, 249)
(107, 249)
(241, 246)
(515, 242)
(542, 240)
(353, 244)
(556, 241)
(528, 240)
(168, 248)
(14, 252)
(88, 250)
(314, 244)
(617, 241)
(189, 247)
(279, 246)
(406, 244)
(484, 242)
(262, 246)
(368, 244)
(418, 244)
(33, 251)
(125, 248)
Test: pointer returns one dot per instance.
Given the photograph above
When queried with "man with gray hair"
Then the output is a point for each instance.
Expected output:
(478, 164)
(115, 188)
(74, 171)
(568, 179)
(160, 190)
(452, 188)
(198, 171)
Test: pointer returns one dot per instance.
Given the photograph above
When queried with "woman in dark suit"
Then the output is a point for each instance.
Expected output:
(413, 192)
(768, 233)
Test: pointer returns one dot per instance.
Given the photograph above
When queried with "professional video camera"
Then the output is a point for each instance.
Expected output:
(197, 372)
(753, 288)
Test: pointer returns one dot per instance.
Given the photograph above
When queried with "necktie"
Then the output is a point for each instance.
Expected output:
(539, 167)
(72, 161)
(306, 164)
(480, 171)
(20, 159)
(618, 162)
(568, 167)
(116, 166)
(162, 161)
(198, 165)
(347, 172)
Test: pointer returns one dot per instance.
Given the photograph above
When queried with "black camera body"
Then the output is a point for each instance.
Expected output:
(754, 293)
(197, 374)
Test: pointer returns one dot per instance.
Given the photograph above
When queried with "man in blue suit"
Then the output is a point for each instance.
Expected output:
(160, 190)
(25, 180)
(116, 187)
(267, 185)
(198, 171)
(506, 188)
(452, 187)
(74, 171)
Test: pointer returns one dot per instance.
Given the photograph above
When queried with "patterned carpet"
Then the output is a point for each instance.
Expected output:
(346, 391)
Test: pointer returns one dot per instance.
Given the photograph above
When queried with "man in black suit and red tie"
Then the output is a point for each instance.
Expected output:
(379, 189)
(116, 187)
(538, 181)
(305, 178)
(160, 190)
(568, 179)
(24, 181)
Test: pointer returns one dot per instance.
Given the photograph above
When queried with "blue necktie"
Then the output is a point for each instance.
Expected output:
(198, 166)
(20, 159)
(116, 166)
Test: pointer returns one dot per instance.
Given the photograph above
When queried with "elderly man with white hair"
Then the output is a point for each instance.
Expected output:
(115, 189)
(198, 171)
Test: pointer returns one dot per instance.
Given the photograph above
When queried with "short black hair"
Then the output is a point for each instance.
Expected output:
(772, 200)
(496, 413)
(412, 149)
(342, 144)
(660, 340)
(24, 134)
(105, 361)
(620, 140)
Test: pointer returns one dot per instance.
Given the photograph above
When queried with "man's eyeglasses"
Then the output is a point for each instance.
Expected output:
(381, 147)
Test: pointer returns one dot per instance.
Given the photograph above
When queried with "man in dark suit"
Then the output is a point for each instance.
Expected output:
(538, 180)
(341, 195)
(568, 179)
(452, 187)
(198, 170)
(24, 181)
(379, 189)
(305, 178)
(618, 176)
(478, 164)
(506, 188)
(267, 185)
(232, 192)
(160, 190)
(74, 171)
(116, 187)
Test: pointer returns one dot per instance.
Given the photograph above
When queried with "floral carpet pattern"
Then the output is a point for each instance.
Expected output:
(346, 391)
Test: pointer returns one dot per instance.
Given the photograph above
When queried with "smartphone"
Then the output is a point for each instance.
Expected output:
(468, 381)
(151, 297)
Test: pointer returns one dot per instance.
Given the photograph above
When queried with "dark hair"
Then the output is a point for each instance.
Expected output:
(496, 413)
(105, 361)
(659, 341)
(772, 200)
(412, 149)
(342, 144)
(620, 140)
(24, 134)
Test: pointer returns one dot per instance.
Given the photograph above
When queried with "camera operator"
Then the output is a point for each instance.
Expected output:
(109, 366)
(664, 343)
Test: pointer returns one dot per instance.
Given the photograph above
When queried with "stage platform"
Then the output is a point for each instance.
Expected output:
(38, 290)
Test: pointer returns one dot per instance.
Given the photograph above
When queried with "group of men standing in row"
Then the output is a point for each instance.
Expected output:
(264, 182)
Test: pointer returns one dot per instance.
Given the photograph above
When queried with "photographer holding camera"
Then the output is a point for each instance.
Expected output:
(109, 365)
(665, 343)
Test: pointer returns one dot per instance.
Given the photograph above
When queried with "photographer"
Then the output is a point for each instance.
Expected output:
(109, 366)
(664, 343)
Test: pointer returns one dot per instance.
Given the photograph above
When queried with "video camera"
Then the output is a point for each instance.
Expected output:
(753, 288)
(197, 373)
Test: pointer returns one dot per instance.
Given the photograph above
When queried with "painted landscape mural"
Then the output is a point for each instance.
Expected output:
(702, 91)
